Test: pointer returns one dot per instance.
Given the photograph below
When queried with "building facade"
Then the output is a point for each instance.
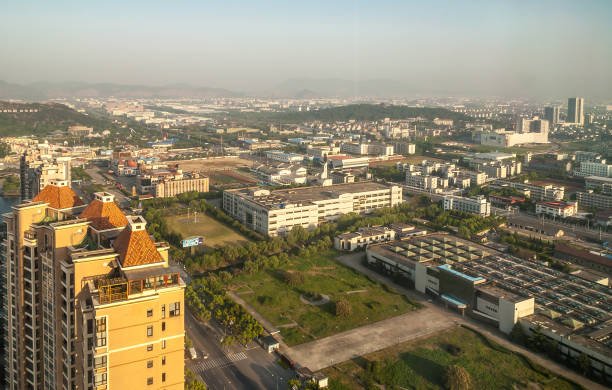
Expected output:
(277, 212)
(477, 205)
(173, 187)
(90, 300)
(575, 110)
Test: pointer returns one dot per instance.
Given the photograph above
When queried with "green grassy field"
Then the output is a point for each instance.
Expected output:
(268, 293)
(420, 365)
(214, 232)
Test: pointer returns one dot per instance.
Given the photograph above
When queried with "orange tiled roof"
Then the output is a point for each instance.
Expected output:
(58, 197)
(136, 248)
(104, 215)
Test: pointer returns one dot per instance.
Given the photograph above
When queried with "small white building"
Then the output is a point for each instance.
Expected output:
(476, 205)
(557, 208)
(365, 236)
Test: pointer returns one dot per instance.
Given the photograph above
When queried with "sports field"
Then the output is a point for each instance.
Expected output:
(214, 232)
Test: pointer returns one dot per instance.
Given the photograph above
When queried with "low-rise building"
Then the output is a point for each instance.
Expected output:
(425, 182)
(363, 237)
(475, 205)
(601, 169)
(594, 200)
(559, 208)
(277, 212)
(536, 192)
(170, 187)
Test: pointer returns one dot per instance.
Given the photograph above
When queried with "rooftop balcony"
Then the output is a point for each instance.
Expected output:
(132, 284)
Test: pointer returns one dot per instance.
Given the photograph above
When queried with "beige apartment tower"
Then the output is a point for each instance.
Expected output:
(90, 299)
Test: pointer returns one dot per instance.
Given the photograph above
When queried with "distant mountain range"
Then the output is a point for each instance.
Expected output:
(297, 88)
(44, 91)
(309, 88)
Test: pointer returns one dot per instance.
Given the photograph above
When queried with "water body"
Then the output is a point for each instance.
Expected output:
(6, 202)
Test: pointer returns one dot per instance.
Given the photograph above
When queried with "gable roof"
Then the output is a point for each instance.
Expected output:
(104, 215)
(58, 197)
(135, 247)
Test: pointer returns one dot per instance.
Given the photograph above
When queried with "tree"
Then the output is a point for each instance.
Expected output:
(343, 308)
(191, 381)
(518, 334)
(583, 362)
(456, 378)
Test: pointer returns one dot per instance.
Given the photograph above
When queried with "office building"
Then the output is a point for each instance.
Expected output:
(90, 300)
(277, 212)
(551, 114)
(575, 110)
(603, 184)
(475, 205)
(424, 182)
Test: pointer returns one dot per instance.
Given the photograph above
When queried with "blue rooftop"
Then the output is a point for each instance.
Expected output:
(448, 268)
(460, 304)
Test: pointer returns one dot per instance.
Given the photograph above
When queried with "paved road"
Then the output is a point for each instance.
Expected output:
(97, 178)
(236, 367)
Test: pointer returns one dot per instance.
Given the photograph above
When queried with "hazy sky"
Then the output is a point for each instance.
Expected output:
(491, 47)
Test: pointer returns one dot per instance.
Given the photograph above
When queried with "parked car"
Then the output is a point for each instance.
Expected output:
(193, 353)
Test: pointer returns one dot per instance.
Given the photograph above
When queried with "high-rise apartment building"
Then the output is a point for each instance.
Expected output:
(575, 110)
(551, 114)
(90, 301)
(37, 171)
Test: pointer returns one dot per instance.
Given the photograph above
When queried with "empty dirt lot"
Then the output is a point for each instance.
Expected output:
(213, 164)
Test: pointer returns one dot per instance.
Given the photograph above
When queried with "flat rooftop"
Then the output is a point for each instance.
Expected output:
(306, 195)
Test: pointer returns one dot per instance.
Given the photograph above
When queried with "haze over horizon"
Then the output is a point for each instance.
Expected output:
(518, 48)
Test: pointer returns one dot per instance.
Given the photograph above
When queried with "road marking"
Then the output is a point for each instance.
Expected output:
(223, 361)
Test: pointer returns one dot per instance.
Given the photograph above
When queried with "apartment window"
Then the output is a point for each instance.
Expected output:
(150, 364)
(163, 325)
(163, 376)
(100, 379)
(150, 347)
(150, 313)
(163, 310)
(149, 381)
(100, 332)
(163, 360)
(163, 344)
(174, 309)
(100, 361)
(149, 331)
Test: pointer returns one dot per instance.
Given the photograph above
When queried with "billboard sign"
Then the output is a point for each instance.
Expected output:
(192, 241)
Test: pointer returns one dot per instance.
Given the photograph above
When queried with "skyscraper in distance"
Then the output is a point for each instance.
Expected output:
(575, 110)
(551, 114)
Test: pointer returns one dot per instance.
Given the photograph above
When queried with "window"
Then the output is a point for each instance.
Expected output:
(163, 325)
(149, 331)
(101, 332)
(163, 309)
(163, 376)
(163, 344)
(150, 364)
(100, 361)
(149, 381)
(150, 313)
(100, 379)
(174, 309)
(149, 347)
(163, 360)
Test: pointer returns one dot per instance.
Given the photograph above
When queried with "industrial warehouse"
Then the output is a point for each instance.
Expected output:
(501, 289)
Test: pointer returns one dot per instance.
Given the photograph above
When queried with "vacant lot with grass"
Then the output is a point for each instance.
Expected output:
(420, 364)
(214, 232)
(280, 298)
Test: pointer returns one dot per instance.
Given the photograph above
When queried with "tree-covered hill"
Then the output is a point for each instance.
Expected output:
(47, 118)
(359, 112)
